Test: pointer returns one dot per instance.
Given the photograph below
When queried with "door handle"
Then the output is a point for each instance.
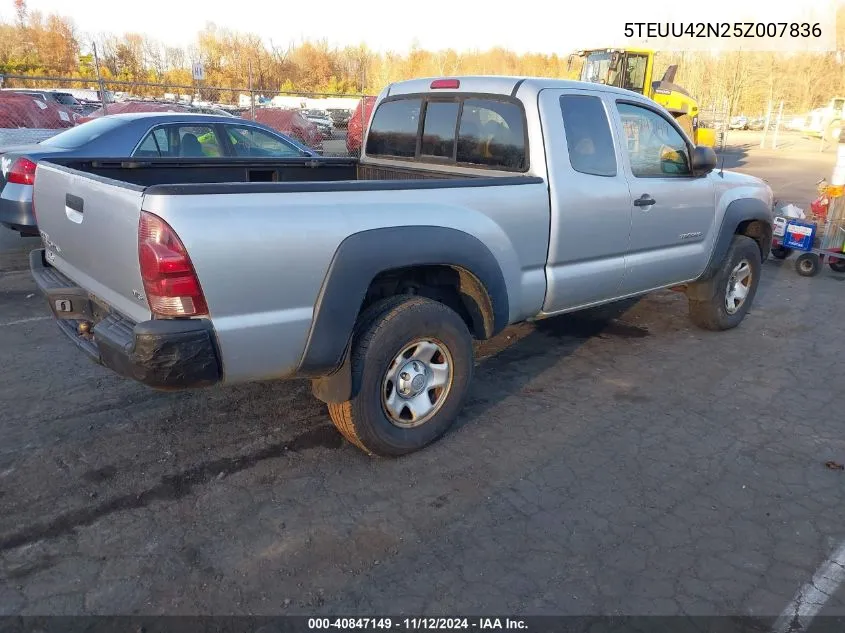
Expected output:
(74, 206)
(644, 200)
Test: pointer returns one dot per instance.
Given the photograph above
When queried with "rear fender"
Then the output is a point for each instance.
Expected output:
(357, 261)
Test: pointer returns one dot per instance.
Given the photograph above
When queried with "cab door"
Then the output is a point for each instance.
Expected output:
(589, 197)
(673, 222)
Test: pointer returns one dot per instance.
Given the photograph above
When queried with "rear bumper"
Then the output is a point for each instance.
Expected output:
(164, 354)
(16, 208)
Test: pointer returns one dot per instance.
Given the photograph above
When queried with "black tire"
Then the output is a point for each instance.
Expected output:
(383, 331)
(808, 264)
(779, 252)
(711, 312)
(836, 264)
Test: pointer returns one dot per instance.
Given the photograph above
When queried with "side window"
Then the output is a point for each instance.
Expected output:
(588, 137)
(148, 147)
(393, 131)
(162, 142)
(197, 141)
(249, 141)
(634, 77)
(655, 147)
(492, 133)
(439, 129)
(154, 145)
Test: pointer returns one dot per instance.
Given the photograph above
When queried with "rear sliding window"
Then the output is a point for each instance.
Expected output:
(591, 149)
(469, 131)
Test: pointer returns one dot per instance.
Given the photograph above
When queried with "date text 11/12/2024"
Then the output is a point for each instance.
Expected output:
(417, 624)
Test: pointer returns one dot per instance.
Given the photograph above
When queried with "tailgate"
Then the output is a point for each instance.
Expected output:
(89, 226)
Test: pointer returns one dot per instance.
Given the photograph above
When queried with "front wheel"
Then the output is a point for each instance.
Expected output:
(412, 362)
(731, 290)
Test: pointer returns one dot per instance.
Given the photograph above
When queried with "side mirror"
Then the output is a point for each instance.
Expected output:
(703, 160)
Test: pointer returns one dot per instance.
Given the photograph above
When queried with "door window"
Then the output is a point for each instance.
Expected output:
(198, 141)
(655, 147)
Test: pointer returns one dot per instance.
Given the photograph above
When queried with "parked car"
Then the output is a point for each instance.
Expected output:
(291, 123)
(55, 96)
(796, 123)
(142, 134)
(357, 124)
(340, 116)
(739, 123)
(511, 199)
(211, 110)
(322, 120)
(760, 123)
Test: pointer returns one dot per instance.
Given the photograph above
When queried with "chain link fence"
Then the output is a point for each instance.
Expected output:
(776, 126)
(35, 108)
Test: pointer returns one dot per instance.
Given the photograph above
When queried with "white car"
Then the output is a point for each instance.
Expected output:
(322, 120)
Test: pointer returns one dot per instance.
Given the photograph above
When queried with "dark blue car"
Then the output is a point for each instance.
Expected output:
(141, 134)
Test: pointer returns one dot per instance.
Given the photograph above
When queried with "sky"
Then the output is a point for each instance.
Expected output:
(542, 26)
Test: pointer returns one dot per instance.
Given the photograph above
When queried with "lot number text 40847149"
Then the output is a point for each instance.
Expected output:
(415, 624)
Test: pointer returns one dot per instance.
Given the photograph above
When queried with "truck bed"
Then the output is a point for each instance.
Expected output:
(259, 175)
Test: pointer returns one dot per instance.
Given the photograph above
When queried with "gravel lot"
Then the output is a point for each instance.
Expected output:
(614, 462)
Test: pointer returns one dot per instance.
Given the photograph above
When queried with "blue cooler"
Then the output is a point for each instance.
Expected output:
(799, 235)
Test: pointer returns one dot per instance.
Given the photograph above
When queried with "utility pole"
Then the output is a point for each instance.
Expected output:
(100, 80)
(766, 125)
(777, 126)
(251, 93)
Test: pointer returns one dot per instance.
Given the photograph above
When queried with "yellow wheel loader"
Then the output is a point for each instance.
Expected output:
(633, 69)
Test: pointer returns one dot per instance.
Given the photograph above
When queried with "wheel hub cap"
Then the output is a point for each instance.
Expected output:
(739, 285)
(412, 379)
(417, 383)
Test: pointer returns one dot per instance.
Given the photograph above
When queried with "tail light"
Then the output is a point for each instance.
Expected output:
(170, 282)
(22, 172)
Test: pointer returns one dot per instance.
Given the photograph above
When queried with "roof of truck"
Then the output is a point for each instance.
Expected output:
(497, 84)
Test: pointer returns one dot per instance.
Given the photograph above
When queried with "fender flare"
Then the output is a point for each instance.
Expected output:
(356, 262)
(736, 213)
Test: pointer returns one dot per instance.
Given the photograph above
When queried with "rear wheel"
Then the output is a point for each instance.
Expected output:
(412, 360)
(779, 252)
(836, 264)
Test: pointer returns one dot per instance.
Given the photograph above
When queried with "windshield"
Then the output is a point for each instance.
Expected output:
(596, 67)
(65, 98)
(82, 134)
(629, 75)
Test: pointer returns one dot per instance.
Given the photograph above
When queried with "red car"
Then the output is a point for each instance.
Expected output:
(291, 123)
(20, 110)
(357, 127)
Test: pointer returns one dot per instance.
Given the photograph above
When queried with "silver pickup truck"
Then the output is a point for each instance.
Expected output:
(478, 202)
